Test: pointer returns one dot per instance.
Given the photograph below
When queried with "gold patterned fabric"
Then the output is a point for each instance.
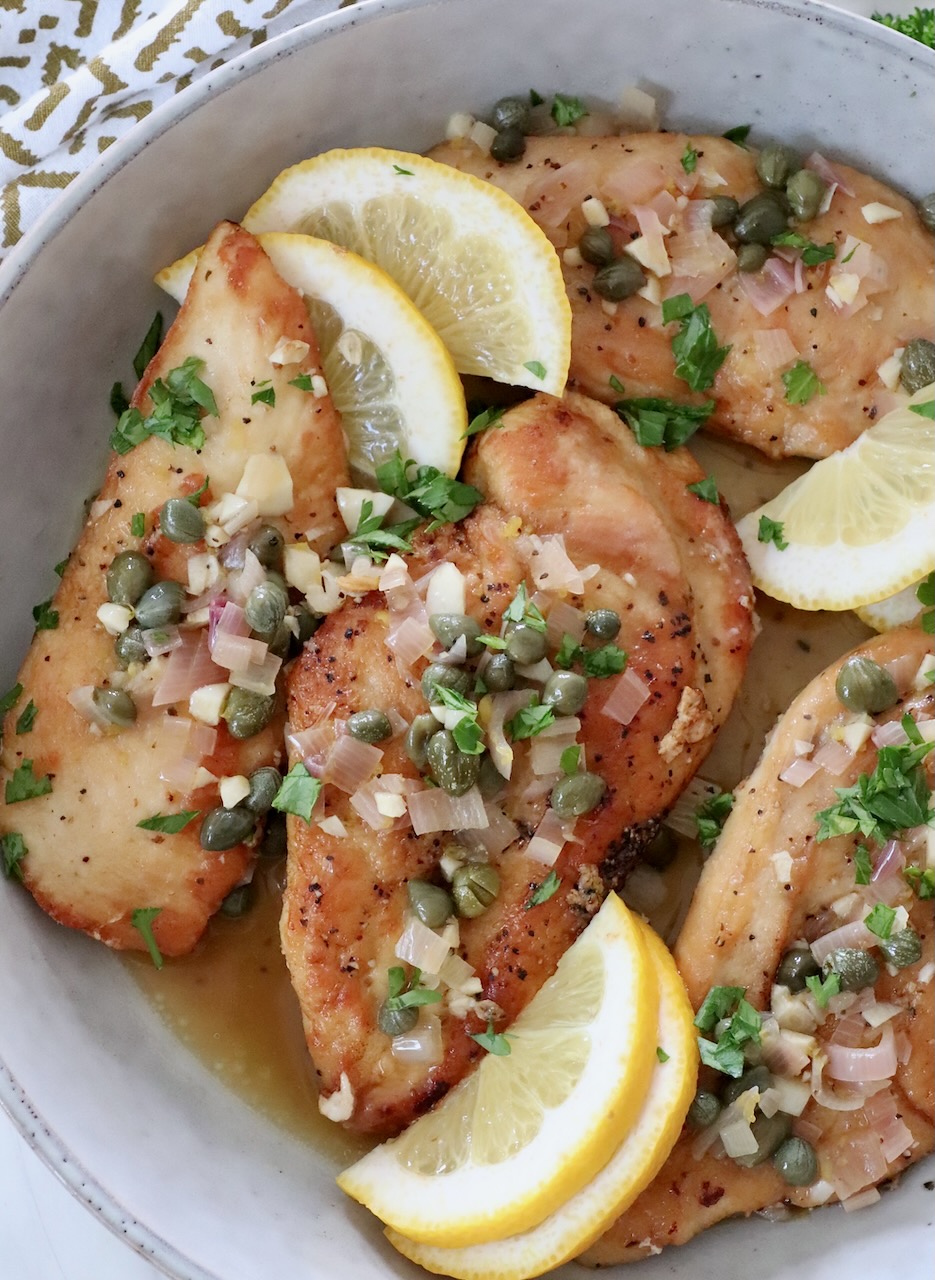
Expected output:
(76, 75)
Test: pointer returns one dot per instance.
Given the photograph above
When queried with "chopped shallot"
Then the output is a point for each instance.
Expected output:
(237, 652)
(435, 810)
(891, 734)
(855, 934)
(157, 640)
(769, 287)
(564, 619)
(818, 164)
(423, 1043)
(503, 707)
(857, 1066)
(421, 946)
(550, 566)
(798, 771)
(188, 668)
(350, 763)
(890, 862)
(628, 695)
(550, 838)
(498, 835)
(410, 638)
(775, 349)
(833, 757)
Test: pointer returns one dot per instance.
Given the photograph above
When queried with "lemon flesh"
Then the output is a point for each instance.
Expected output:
(859, 523)
(472, 260)
(525, 1132)
(902, 610)
(643, 1149)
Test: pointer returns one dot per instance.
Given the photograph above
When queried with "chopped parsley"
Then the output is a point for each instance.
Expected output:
(567, 110)
(603, 662)
(27, 717)
(302, 382)
(265, 394)
(138, 525)
(406, 993)
(880, 920)
(922, 882)
(405, 173)
(542, 892)
(483, 421)
(568, 652)
(535, 99)
(149, 346)
(299, 793)
(372, 539)
(801, 383)
(169, 824)
(493, 1041)
(10, 699)
(849, 256)
(536, 368)
(705, 489)
(894, 797)
(727, 1005)
(655, 421)
(661, 1054)
(739, 134)
(689, 159)
(44, 616)
(771, 531)
(118, 399)
(918, 25)
(178, 403)
(823, 988)
(570, 760)
(13, 850)
(530, 721)
(615, 384)
(434, 495)
(521, 609)
(926, 410)
(467, 733)
(492, 642)
(862, 866)
(925, 594)
(812, 253)
(59, 569)
(24, 785)
(710, 817)
(142, 921)
(695, 347)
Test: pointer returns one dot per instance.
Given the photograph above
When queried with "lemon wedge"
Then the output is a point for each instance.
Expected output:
(389, 374)
(858, 523)
(637, 1160)
(902, 610)
(469, 256)
(525, 1132)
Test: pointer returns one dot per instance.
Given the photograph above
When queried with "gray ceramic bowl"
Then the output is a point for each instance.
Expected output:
(139, 1128)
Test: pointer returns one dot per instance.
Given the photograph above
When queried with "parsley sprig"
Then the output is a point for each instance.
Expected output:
(802, 383)
(655, 421)
(608, 660)
(437, 497)
(406, 993)
(567, 110)
(13, 850)
(494, 1042)
(522, 609)
(298, 793)
(771, 531)
(530, 721)
(24, 785)
(178, 405)
(372, 539)
(542, 892)
(710, 817)
(925, 594)
(894, 797)
(142, 921)
(740, 1023)
(467, 733)
(695, 347)
(812, 253)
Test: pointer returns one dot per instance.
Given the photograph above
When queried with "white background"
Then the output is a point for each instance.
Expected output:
(45, 1234)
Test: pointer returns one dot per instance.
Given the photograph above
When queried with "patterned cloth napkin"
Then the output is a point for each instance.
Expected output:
(76, 75)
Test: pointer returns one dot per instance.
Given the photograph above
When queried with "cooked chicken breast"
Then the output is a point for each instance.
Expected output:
(566, 467)
(848, 316)
(87, 862)
(752, 904)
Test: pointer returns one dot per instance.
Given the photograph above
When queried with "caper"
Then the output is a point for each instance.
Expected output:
(224, 828)
(770, 1133)
(761, 218)
(439, 676)
(129, 575)
(267, 544)
(181, 521)
(372, 725)
(805, 191)
(776, 164)
(396, 1022)
(160, 605)
(116, 706)
(264, 785)
(129, 646)
(525, 645)
(565, 692)
(755, 1078)
(855, 968)
(902, 949)
(266, 606)
(500, 673)
(418, 736)
(490, 780)
(661, 850)
(796, 1162)
(917, 366)
(474, 887)
(577, 794)
(750, 257)
(618, 279)
(448, 628)
(596, 246)
(432, 904)
(603, 624)
(453, 770)
(273, 843)
(247, 713)
(237, 902)
(510, 113)
(308, 622)
(797, 964)
(508, 144)
(724, 212)
(704, 1110)
(280, 641)
(926, 207)
(863, 685)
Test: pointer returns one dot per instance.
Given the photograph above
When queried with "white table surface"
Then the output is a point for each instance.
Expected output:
(45, 1234)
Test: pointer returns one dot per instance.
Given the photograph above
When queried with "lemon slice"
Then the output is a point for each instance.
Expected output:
(469, 256)
(525, 1132)
(859, 523)
(388, 372)
(631, 1168)
(901, 610)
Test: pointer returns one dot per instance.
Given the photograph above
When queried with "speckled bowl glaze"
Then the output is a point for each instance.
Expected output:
(137, 1127)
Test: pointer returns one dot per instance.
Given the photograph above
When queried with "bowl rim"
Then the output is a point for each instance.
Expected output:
(104, 1204)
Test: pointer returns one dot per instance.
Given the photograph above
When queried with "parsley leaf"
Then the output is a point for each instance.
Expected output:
(823, 988)
(710, 817)
(603, 662)
(142, 921)
(24, 785)
(922, 882)
(371, 538)
(27, 717)
(149, 346)
(265, 394)
(726, 1055)
(13, 849)
(406, 993)
(59, 569)
(661, 1054)
(175, 416)
(45, 617)
(570, 760)
(535, 99)
(689, 159)
(484, 420)
(812, 253)
(918, 25)
(801, 383)
(494, 1042)
(894, 797)
(925, 594)
(434, 495)
(705, 489)
(536, 368)
(302, 382)
(615, 384)
(655, 421)
(406, 173)
(771, 531)
(299, 792)
(567, 110)
(521, 609)
(568, 652)
(677, 307)
(697, 354)
(10, 699)
(169, 824)
(138, 525)
(542, 892)
(862, 866)
(467, 733)
(738, 134)
(716, 1005)
(118, 399)
(880, 920)
(926, 410)
(530, 721)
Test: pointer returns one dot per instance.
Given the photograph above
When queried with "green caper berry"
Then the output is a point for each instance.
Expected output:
(750, 257)
(755, 1078)
(439, 676)
(181, 521)
(565, 692)
(508, 145)
(160, 605)
(776, 164)
(618, 279)
(926, 207)
(525, 645)
(308, 622)
(855, 969)
(264, 784)
(237, 903)
(917, 365)
(863, 685)
(432, 904)
(770, 1133)
(704, 1110)
(418, 736)
(577, 794)
(266, 607)
(603, 624)
(268, 544)
(596, 246)
(225, 828)
(661, 850)
(129, 646)
(453, 770)
(370, 726)
(724, 212)
(902, 949)
(796, 1162)
(129, 575)
(448, 628)
(396, 1022)
(490, 780)
(805, 191)
(500, 673)
(273, 843)
(761, 218)
(797, 964)
(510, 113)
(116, 706)
(280, 641)
(247, 713)
(474, 887)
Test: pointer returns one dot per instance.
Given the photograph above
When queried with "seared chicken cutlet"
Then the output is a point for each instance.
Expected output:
(575, 511)
(857, 1068)
(80, 781)
(842, 316)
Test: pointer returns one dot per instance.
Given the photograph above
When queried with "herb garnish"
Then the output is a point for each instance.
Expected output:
(265, 394)
(542, 892)
(434, 495)
(403, 993)
(918, 25)
(27, 717)
(743, 1026)
(487, 418)
(615, 384)
(24, 785)
(880, 920)
(536, 368)
(661, 1054)
(925, 594)
(567, 110)
(299, 792)
(535, 99)
(738, 134)
(142, 921)
(656, 421)
(118, 399)
(812, 253)
(823, 988)
(494, 1042)
(467, 733)
(371, 538)
(44, 616)
(406, 173)
(521, 609)
(14, 850)
(178, 403)
(570, 760)
(149, 346)
(926, 410)
(10, 698)
(894, 797)
(710, 817)
(705, 489)
(771, 531)
(922, 882)
(529, 721)
(138, 525)
(697, 354)
(169, 824)
(689, 159)
(302, 382)
(801, 383)
(608, 660)
(862, 865)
